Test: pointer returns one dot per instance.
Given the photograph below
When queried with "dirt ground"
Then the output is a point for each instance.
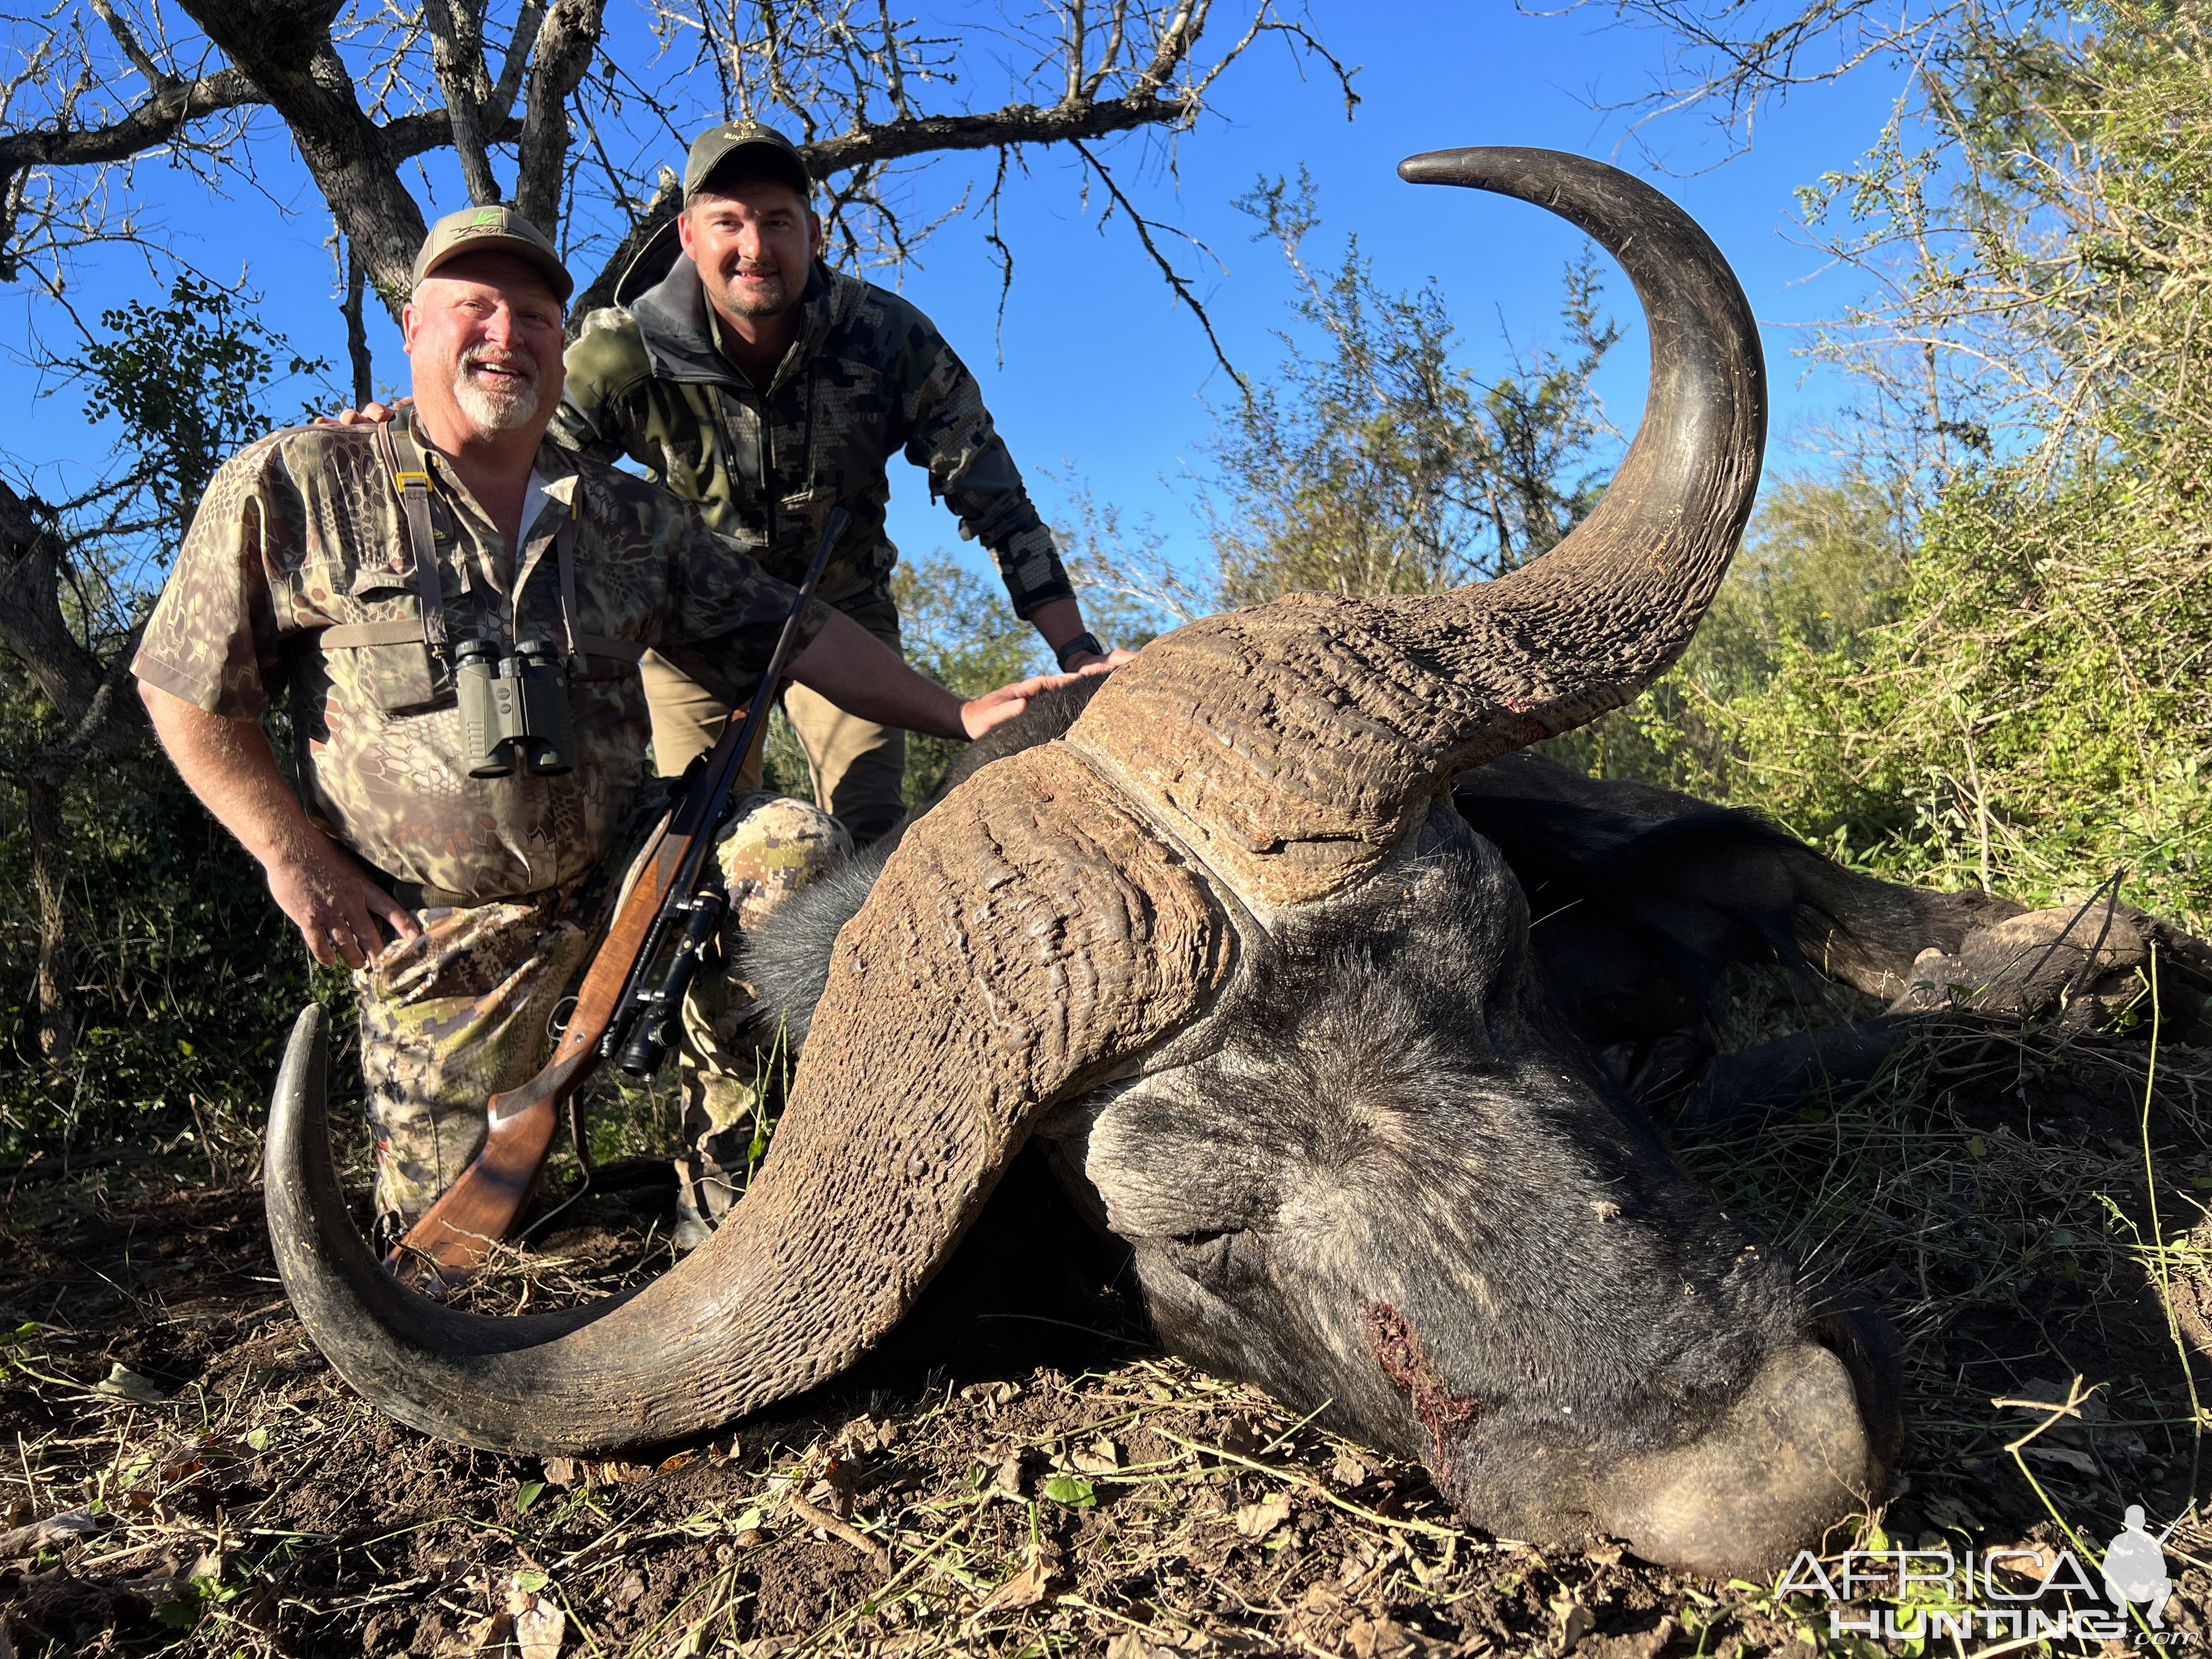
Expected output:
(1029, 1477)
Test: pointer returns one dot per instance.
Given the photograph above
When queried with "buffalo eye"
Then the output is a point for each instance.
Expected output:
(1205, 1257)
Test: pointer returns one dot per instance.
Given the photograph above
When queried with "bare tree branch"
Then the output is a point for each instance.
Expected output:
(1730, 58)
(898, 140)
(658, 211)
(357, 352)
(127, 39)
(31, 626)
(147, 125)
(457, 54)
(1175, 279)
(286, 46)
(517, 62)
(363, 87)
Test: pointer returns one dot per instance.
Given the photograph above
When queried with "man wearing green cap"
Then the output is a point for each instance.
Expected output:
(363, 569)
(750, 378)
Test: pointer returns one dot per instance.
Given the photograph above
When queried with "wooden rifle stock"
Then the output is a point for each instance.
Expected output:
(456, 1233)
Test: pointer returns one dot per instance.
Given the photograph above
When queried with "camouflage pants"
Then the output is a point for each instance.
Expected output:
(451, 1018)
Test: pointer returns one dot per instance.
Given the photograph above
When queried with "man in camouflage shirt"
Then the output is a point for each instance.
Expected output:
(752, 379)
(302, 572)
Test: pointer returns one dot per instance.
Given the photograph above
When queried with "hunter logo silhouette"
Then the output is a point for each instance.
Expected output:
(2134, 1567)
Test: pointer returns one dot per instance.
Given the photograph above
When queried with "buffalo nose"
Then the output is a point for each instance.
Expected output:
(1791, 1457)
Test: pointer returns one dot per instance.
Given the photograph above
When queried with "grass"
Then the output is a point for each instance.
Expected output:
(1994, 1188)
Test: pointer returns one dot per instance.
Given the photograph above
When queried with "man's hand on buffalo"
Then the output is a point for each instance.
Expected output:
(863, 676)
(994, 708)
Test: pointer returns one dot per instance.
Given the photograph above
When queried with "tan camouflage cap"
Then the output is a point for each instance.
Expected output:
(494, 230)
(768, 150)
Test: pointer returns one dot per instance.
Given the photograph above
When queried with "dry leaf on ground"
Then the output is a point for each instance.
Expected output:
(1101, 1456)
(66, 1527)
(1575, 1622)
(1256, 1520)
(1382, 1638)
(539, 1626)
(1025, 1589)
(124, 1383)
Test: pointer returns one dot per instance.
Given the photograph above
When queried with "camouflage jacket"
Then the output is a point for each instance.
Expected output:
(868, 376)
(302, 531)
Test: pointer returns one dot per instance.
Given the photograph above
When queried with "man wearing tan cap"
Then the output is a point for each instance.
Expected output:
(750, 378)
(362, 569)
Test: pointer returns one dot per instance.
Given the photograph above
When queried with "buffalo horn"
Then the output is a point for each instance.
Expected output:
(1027, 935)
(1293, 744)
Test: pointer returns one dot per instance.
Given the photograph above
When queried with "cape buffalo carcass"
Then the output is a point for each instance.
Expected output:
(1229, 944)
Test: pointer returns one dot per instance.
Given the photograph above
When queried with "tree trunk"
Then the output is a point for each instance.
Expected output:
(566, 42)
(285, 45)
(42, 815)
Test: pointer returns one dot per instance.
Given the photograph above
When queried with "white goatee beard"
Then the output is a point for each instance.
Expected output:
(494, 411)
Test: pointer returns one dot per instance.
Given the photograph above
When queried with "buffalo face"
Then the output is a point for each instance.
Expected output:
(1387, 1186)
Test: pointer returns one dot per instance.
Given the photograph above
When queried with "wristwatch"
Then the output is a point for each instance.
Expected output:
(1083, 642)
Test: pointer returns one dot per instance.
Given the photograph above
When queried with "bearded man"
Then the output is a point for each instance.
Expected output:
(362, 567)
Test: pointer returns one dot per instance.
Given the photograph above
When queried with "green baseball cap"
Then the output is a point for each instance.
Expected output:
(494, 230)
(768, 151)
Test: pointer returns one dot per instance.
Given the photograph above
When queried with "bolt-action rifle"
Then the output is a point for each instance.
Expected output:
(674, 909)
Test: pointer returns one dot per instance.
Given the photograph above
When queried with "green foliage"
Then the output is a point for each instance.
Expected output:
(961, 634)
(1372, 463)
(185, 976)
(2021, 703)
(186, 380)
(186, 982)
(1817, 573)
(2034, 715)
(1072, 1490)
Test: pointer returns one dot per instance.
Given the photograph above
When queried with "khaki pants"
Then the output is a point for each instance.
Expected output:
(858, 767)
(455, 1016)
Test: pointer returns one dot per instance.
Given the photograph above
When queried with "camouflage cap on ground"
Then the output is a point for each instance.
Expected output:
(767, 151)
(494, 230)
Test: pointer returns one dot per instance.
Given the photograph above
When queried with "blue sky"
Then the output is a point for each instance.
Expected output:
(1096, 374)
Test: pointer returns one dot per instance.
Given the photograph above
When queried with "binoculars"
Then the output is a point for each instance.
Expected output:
(514, 708)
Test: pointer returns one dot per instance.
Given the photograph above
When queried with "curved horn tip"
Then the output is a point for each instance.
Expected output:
(301, 1078)
(296, 1133)
(1464, 165)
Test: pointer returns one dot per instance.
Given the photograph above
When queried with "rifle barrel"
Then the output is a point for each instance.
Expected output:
(692, 823)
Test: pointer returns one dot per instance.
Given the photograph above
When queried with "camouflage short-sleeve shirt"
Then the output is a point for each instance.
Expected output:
(303, 531)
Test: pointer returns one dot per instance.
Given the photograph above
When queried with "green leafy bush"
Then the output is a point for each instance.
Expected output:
(2019, 701)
